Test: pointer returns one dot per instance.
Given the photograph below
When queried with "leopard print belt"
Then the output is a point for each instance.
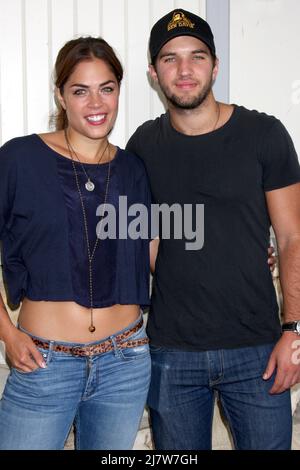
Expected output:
(98, 348)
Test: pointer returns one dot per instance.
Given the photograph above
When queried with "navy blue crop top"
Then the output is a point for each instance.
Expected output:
(44, 252)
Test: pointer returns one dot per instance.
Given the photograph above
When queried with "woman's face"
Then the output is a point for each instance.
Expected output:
(90, 98)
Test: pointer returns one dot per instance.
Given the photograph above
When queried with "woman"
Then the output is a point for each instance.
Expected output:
(80, 352)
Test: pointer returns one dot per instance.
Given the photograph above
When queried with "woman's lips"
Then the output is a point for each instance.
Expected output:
(96, 119)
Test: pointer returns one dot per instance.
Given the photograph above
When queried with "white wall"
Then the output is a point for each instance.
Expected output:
(32, 32)
(265, 59)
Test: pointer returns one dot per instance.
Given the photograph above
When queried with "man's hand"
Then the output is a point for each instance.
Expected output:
(286, 358)
(272, 260)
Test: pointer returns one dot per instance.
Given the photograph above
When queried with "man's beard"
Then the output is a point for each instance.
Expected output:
(188, 103)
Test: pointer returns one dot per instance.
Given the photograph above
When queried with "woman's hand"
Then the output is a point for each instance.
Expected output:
(21, 351)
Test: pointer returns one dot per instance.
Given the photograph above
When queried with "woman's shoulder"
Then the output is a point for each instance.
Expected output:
(27, 149)
(18, 145)
(12, 153)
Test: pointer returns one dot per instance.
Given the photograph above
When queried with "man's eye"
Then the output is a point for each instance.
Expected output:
(169, 59)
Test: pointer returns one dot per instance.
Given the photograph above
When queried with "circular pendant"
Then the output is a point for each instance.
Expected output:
(92, 329)
(89, 185)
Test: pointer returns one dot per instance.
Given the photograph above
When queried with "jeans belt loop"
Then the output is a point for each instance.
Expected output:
(116, 346)
(50, 351)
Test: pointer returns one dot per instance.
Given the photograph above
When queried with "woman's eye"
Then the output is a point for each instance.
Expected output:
(107, 89)
(80, 91)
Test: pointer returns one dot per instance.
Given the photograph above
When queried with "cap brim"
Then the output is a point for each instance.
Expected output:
(186, 33)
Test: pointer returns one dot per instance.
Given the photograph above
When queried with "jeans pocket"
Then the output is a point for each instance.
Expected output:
(46, 353)
(138, 351)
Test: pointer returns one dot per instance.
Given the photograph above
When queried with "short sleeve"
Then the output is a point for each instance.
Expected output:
(132, 144)
(279, 159)
(7, 183)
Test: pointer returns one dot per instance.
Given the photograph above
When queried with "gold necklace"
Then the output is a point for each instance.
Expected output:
(89, 185)
(91, 253)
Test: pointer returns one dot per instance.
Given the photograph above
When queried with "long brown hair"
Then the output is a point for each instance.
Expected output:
(71, 54)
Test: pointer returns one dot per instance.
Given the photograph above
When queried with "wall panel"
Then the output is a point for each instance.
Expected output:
(264, 65)
(62, 26)
(113, 29)
(12, 69)
(138, 99)
(37, 79)
(87, 16)
(63, 23)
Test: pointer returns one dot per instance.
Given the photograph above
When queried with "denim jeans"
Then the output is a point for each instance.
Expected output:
(182, 392)
(104, 395)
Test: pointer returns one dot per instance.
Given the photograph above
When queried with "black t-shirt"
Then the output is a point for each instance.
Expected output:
(221, 296)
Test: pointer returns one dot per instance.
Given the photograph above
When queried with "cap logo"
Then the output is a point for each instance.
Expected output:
(179, 19)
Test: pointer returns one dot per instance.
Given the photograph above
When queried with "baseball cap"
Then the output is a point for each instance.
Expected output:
(179, 22)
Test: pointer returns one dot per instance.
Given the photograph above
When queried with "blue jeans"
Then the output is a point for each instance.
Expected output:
(104, 395)
(182, 392)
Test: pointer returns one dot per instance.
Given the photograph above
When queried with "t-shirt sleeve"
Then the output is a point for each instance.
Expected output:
(7, 184)
(279, 159)
(133, 143)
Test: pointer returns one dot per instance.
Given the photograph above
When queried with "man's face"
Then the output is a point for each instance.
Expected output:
(185, 71)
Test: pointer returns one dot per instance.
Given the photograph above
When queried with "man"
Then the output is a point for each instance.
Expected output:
(214, 323)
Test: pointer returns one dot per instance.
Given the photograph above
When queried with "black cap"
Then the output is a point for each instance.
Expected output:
(179, 22)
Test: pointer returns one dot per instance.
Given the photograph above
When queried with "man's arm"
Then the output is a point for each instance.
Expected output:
(284, 209)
